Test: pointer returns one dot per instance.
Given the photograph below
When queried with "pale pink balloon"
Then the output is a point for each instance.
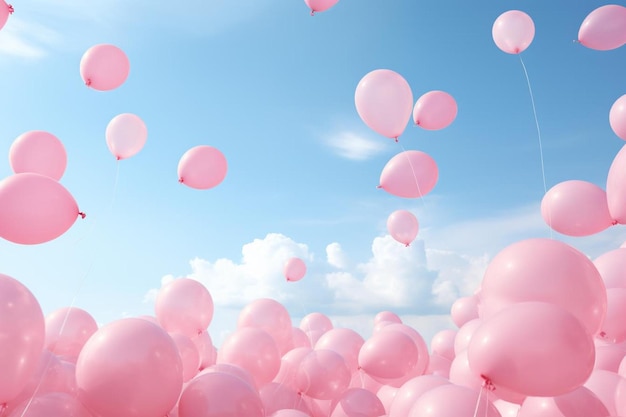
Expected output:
(346, 342)
(387, 395)
(276, 396)
(384, 102)
(362, 380)
(35, 209)
(5, 11)
(513, 31)
(533, 349)
(389, 354)
(39, 152)
(464, 335)
(450, 400)
(403, 226)
(438, 366)
(616, 187)
(289, 365)
(300, 339)
(23, 332)
(609, 355)
(506, 408)
(219, 394)
(387, 316)
(104, 67)
(463, 310)
(435, 110)
(545, 270)
(604, 28)
(422, 348)
(408, 393)
(294, 269)
(269, 315)
(185, 306)
(53, 404)
(316, 321)
(129, 367)
(606, 385)
(126, 135)
(320, 5)
(189, 355)
(409, 174)
(614, 324)
(206, 350)
(67, 331)
(262, 362)
(357, 402)
(579, 403)
(442, 343)
(227, 368)
(202, 167)
(617, 117)
(323, 374)
(612, 268)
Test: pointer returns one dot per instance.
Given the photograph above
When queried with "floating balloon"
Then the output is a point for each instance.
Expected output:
(580, 402)
(612, 268)
(269, 315)
(126, 135)
(616, 187)
(384, 102)
(604, 28)
(320, 5)
(402, 225)
(294, 269)
(104, 67)
(409, 174)
(357, 402)
(39, 152)
(617, 117)
(202, 167)
(35, 209)
(450, 400)
(67, 331)
(411, 391)
(576, 208)
(344, 341)
(184, 306)
(463, 310)
(435, 110)
(513, 31)
(316, 321)
(5, 11)
(389, 354)
(323, 375)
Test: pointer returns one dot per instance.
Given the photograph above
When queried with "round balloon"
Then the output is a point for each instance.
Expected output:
(403, 226)
(604, 28)
(271, 316)
(449, 400)
(435, 110)
(67, 331)
(294, 269)
(202, 167)
(617, 117)
(320, 5)
(616, 187)
(612, 268)
(513, 31)
(409, 174)
(104, 67)
(126, 135)
(185, 306)
(39, 152)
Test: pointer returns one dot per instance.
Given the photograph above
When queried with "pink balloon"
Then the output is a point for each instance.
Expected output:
(206, 350)
(320, 5)
(422, 349)
(387, 395)
(276, 396)
(402, 225)
(513, 31)
(357, 402)
(289, 365)
(389, 354)
(34, 209)
(576, 208)
(300, 339)
(219, 395)
(271, 316)
(202, 167)
(450, 400)
(129, 367)
(435, 110)
(604, 28)
(345, 342)
(384, 102)
(67, 331)
(226, 368)
(578, 403)
(262, 362)
(54, 404)
(289, 413)
(616, 187)
(408, 393)
(463, 310)
(614, 325)
(5, 11)
(464, 335)
(104, 67)
(316, 321)
(39, 152)
(617, 117)
(189, 355)
(606, 385)
(323, 374)
(438, 366)
(387, 316)
(294, 269)
(362, 380)
(442, 343)
(534, 349)
(612, 268)
(126, 135)
(545, 270)
(22, 330)
(184, 306)
(609, 355)
(409, 174)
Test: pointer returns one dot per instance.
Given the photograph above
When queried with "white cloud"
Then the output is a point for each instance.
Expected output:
(27, 39)
(336, 257)
(354, 146)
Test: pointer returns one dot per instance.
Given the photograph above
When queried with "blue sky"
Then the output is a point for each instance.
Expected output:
(273, 89)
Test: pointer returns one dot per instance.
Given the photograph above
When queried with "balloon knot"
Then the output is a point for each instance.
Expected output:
(379, 186)
(602, 334)
(180, 180)
(11, 9)
(614, 222)
(88, 82)
(396, 139)
(407, 245)
(487, 384)
(312, 12)
(117, 158)
(81, 214)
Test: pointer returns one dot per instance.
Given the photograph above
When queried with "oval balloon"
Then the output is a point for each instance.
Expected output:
(320, 5)
(5, 11)
(616, 187)
(409, 174)
(604, 28)
(435, 110)
(34, 209)
(126, 135)
(202, 167)
(269, 315)
(104, 67)
(294, 269)
(67, 331)
(513, 31)
(323, 374)
(185, 306)
(617, 117)
(39, 152)
(402, 225)
(384, 102)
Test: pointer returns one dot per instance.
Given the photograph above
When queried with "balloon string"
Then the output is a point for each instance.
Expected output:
(417, 184)
(480, 394)
(543, 168)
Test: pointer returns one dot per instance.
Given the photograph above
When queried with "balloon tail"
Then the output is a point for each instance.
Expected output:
(396, 139)
(312, 12)
(407, 245)
(11, 11)
(379, 186)
(82, 214)
(88, 82)
(614, 222)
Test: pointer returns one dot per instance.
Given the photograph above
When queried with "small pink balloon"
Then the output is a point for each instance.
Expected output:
(300, 339)
(576, 208)
(184, 306)
(5, 11)
(617, 117)
(450, 400)
(604, 28)
(344, 341)
(39, 152)
(435, 110)
(403, 226)
(126, 135)
(323, 374)
(202, 167)
(320, 5)
(357, 402)
(442, 343)
(35, 209)
(463, 310)
(104, 67)
(387, 316)
(409, 174)
(67, 331)
(408, 393)
(616, 187)
(269, 315)
(389, 354)
(384, 102)
(316, 321)
(513, 31)
(612, 268)
(294, 269)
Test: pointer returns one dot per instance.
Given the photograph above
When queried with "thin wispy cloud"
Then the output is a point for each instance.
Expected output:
(353, 146)
(25, 39)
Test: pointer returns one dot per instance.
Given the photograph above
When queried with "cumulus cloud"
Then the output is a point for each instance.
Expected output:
(336, 257)
(353, 146)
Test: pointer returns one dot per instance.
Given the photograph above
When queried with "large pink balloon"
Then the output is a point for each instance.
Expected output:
(104, 67)
(202, 167)
(604, 28)
(616, 187)
(271, 316)
(617, 117)
(126, 135)
(34, 209)
(409, 174)
(357, 402)
(39, 152)
(22, 331)
(346, 342)
(294, 269)
(579, 403)
(435, 110)
(576, 208)
(612, 268)
(450, 400)
(389, 354)
(184, 306)
(408, 393)
(320, 5)
(384, 102)
(533, 349)
(323, 374)
(513, 31)
(545, 270)
(403, 226)
(67, 331)
(129, 367)
(463, 310)
(5, 11)
(289, 365)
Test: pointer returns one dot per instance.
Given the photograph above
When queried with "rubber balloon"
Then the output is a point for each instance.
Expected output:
(450, 400)
(612, 268)
(67, 331)
(617, 117)
(269, 315)
(513, 31)
(202, 167)
(323, 374)
(320, 5)
(39, 152)
(294, 269)
(616, 187)
(604, 28)
(104, 67)
(5, 11)
(435, 110)
(184, 306)
(409, 174)
(126, 135)
(403, 226)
